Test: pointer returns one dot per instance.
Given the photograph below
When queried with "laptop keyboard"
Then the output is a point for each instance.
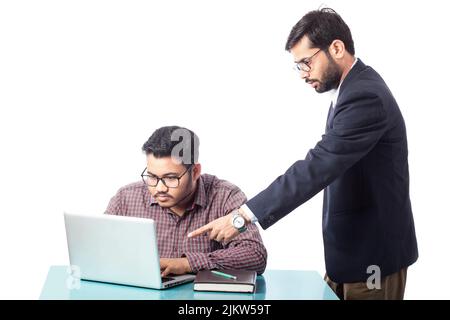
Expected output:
(165, 279)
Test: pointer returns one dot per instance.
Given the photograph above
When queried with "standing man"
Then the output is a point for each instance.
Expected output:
(361, 163)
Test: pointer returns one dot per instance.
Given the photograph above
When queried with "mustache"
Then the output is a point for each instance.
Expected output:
(309, 81)
(162, 194)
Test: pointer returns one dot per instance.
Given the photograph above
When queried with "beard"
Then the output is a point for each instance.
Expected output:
(330, 79)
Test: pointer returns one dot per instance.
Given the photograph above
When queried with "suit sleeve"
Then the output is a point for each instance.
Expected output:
(359, 123)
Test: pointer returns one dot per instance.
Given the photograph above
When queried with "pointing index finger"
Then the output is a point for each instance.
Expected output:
(200, 231)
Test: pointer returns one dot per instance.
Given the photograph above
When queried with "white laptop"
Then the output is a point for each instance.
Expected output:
(117, 249)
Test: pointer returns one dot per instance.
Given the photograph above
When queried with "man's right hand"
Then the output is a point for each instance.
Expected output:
(220, 229)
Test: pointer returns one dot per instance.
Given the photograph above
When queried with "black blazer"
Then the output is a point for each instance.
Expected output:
(362, 163)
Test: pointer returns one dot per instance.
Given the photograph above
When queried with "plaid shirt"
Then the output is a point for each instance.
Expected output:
(213, 199)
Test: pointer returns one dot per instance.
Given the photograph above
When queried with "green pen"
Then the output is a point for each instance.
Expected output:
(225, 275)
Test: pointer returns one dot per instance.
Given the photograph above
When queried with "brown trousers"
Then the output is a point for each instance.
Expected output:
(392, 288)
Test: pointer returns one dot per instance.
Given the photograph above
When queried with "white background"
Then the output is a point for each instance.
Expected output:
(83, 84)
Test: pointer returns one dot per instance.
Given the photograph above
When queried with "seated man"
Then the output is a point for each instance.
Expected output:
(180, 199)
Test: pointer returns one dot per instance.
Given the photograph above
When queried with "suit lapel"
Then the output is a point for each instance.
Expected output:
(357, 68)
(330, 118)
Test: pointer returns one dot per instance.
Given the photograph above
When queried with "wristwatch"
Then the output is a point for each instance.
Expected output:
(238, 221)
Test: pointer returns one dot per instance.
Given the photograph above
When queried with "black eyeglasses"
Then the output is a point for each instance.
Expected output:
(169, 182)
(305, 64)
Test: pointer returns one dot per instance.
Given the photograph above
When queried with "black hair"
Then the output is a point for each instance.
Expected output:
(322, 27)
(164, 140)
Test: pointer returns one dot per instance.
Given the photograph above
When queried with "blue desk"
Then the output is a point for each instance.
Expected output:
(272, 285)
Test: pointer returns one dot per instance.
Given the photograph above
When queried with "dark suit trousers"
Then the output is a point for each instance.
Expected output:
(392, 288)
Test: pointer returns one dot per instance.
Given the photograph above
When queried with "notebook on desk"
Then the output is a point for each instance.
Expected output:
(225, 280)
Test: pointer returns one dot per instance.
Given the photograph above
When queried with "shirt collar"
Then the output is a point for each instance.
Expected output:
(199, 197)
(335, 92)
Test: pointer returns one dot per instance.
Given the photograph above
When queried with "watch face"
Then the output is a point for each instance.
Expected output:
(238, 222)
